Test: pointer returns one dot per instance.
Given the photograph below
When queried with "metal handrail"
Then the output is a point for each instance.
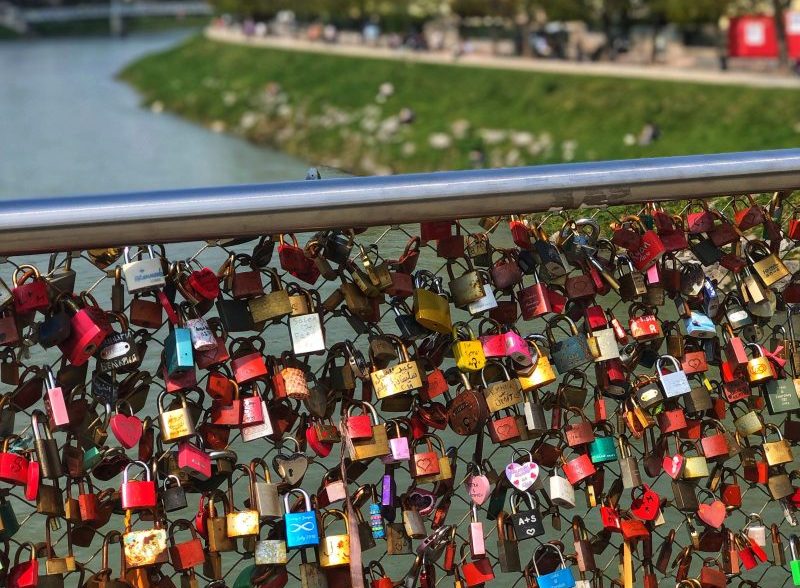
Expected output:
(82, 222)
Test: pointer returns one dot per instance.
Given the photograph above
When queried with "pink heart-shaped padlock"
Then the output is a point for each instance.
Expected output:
(712, 514)
(478, 488)
(126, 429)
(522, 476)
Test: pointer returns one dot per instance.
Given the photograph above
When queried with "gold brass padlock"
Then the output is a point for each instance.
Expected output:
(334, 550)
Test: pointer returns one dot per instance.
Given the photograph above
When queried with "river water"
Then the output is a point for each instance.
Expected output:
(68, 127)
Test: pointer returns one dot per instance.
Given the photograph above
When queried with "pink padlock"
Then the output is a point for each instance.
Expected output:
(54, 402)
(252, 410)
(493, 345)
(89, 326)
(516, 347)
(477, 546)
(399, 449)
(193, 460)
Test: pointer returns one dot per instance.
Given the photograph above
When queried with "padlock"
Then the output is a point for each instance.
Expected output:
(306, 331)
(527, 522)
(176, 424)
(187, 554)
(32, 296)
(628, 465)
(570, 352)
(560, 578)
(467, 350)
(501, 394)
(759, 368)
(467, 288)
(769, 267)
(46, 447)
(301, 527)
(143, 275)
(675, 383)
(138, 494)
(89, 326)
(431, 308)
(507, 545)
(397, 379)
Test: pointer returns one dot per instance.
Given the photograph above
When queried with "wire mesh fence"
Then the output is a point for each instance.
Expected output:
(340, 324)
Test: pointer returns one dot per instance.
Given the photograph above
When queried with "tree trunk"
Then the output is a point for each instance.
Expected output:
(779, 14)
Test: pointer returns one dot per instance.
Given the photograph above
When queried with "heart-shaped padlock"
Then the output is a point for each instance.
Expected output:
(673, 465)
(291, 467)
(712, 514)
(522, 476)
(126, 429)
(478, 488)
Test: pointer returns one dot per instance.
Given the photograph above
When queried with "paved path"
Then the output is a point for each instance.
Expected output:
(655, 72)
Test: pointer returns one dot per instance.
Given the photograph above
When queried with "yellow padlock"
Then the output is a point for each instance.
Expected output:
(334, 550)
(467, 350)
(543, 374)
(431, 308)
(759, 369)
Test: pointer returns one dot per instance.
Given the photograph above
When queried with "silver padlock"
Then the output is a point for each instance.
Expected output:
(306, 333)
(675, 383)
(143, 275)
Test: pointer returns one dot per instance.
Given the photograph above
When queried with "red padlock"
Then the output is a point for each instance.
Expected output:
(31, 296)
(13, 466)
(578, 469)
(187, 554)
(648, 251)
(435, 385)
(138, 494)
(220, 387)
(645, 506)
(293, 260)
(534, 300)
(24, 574)
(203, 284)
(88, 502)
(699, 222)
(715, 445)
(359, 426)
(434, 230)
(520, 233)
(247, 361)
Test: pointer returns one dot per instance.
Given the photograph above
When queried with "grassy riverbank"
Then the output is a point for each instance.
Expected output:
(330, 110)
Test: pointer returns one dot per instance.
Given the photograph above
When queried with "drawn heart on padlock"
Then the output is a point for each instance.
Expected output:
(422, 501)
(673, 465)
(127, 429)
(478, 488)
(695, 363)
(522, 476)
(712, 514)
(291, 468)
(646, 506)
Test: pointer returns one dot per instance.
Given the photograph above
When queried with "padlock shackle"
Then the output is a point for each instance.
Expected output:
(303, 493)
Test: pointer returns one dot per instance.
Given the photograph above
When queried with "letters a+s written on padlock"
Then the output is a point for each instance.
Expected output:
(570, 372)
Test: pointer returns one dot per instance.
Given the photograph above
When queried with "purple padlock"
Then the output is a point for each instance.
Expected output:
(398, 445)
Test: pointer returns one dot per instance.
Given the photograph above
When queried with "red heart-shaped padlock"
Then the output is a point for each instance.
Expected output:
(712, 514)
(204, 283)
(126, 429)
(673, 465)
(646, 506)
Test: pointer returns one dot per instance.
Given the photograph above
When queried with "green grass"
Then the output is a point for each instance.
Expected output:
(6, 34)
(213, 82)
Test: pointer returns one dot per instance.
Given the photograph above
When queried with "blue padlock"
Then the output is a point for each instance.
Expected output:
(301, 527)
(561, 578)
(178, 356)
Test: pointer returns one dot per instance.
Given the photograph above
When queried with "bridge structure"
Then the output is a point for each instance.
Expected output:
(20, 19)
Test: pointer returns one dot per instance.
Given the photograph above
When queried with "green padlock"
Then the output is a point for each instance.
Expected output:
(243, 580)
(794, 565)
(603, 449)
(92, 457)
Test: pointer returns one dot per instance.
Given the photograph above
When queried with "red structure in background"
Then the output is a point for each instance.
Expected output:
(755, 36)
